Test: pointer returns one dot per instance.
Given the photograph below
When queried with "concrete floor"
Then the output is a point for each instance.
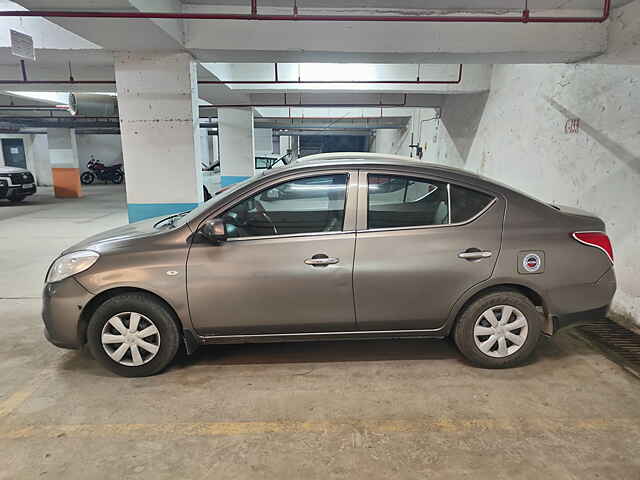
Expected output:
(375, 410)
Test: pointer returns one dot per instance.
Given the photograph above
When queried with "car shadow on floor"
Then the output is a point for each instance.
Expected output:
(357, 351)
(549, 349)
(322, 352)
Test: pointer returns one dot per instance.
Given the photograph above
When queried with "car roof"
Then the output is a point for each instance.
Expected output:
(361, 159)
(364, 159)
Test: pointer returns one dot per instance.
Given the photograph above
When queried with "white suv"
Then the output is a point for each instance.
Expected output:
(16, 183)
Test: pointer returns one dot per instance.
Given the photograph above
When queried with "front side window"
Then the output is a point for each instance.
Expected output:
(305, 205)
(399, 201)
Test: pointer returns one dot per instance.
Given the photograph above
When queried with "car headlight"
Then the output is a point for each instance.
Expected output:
(71, 264)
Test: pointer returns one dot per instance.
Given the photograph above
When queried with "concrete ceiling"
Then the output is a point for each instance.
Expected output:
(91, 44)
(442, 5)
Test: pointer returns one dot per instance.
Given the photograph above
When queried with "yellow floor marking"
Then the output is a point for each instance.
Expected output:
(14, 401)
(18, 398)
(208, 429)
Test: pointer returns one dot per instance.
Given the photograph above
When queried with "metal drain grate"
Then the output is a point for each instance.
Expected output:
(621, 342)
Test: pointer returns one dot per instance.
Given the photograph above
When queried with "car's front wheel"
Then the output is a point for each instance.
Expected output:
(498, 330)
(133, 335)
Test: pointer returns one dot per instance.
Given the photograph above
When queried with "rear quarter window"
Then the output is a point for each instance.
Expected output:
(467, 203)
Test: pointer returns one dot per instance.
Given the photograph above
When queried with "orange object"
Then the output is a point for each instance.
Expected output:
(66, 182)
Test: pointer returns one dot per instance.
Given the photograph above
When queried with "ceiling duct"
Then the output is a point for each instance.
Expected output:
(93, 104)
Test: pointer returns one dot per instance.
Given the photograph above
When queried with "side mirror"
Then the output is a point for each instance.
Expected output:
(214, 230)
(270, 195)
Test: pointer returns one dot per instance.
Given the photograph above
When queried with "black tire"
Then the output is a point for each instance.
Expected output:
(464, 337)
(117, 178)
(148, 306)
(87, 178)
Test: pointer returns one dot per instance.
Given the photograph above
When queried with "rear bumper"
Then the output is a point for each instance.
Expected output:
(62, 303)
(560, 322)
(581, 297)
(584, 303)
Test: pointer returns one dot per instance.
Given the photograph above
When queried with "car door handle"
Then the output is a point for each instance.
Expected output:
(477, 255)
(321, 261)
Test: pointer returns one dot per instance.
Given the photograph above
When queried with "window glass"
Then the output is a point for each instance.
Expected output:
(397, 201)
(466, 204)
(305, 205)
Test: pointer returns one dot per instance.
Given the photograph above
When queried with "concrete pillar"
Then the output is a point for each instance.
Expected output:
(237, 145)
(65, 164)
(295, 147)
(284, 144)
(204, 147)
(41, 162)
(213, 149)
(263, 142)
(159, 124)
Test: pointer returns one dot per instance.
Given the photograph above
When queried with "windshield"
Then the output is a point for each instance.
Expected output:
(218, 196)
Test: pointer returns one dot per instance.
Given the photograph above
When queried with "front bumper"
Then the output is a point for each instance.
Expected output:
(62, 304)
(16, 191)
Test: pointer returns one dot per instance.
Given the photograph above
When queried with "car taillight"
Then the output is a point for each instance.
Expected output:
(595, 239)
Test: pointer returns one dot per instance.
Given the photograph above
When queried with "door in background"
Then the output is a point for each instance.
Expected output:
(13, 151)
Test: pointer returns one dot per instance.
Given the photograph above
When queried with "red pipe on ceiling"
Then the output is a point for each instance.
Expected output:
(525, 17)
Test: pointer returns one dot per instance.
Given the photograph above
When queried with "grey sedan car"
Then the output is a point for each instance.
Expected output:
(337, 246)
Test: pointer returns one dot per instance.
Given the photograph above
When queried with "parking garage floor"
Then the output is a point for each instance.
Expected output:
(376, 410)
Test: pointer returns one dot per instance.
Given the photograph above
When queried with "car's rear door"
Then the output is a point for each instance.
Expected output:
(422, 241)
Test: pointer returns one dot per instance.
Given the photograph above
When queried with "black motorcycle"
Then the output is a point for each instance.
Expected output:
(99, 171)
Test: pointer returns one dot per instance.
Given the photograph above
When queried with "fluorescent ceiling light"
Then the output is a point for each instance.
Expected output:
(60, 98)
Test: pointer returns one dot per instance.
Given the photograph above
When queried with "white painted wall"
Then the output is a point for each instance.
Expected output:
(623, 45)
(519, 138)
(106, 148)
(263, 140)
(36, 149)
(422, 129)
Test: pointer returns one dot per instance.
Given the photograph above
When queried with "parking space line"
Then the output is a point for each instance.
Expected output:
(18, 398)
(436, 425)
(14, 401)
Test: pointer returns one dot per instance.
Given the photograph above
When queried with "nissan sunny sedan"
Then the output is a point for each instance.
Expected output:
(336, 246)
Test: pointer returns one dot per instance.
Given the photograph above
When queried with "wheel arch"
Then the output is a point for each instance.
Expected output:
(536, 298)
(105, 295)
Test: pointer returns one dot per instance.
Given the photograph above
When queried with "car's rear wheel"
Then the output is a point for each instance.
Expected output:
(498, 330)
(133, 335)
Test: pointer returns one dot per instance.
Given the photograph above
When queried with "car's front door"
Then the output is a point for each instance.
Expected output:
(421, 242)
(287, 265)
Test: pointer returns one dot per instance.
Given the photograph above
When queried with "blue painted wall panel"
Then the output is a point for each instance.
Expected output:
(142, 211)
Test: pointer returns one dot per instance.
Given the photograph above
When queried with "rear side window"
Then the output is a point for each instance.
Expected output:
(466, 204)
(399, 201)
